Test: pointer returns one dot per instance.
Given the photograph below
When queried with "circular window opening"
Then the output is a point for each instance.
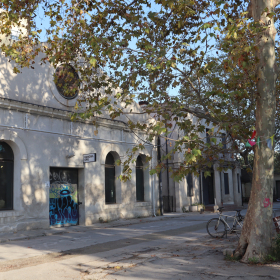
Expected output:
(67, 81)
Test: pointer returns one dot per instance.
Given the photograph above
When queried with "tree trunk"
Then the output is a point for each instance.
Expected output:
(256, 239)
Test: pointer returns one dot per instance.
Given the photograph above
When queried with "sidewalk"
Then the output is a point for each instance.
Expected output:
(31, 234)
(174, 246)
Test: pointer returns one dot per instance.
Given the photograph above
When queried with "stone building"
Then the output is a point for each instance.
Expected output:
(221, 188)
(55, 172)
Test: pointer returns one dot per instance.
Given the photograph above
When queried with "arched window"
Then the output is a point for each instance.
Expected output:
(139, 179)
(110, 181)
(6, 176)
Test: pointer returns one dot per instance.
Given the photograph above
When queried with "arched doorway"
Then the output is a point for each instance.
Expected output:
(6, 176)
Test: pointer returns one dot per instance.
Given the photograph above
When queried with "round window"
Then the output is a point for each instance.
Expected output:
(67, 81)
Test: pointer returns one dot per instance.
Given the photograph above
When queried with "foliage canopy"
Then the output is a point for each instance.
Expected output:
(184, 58)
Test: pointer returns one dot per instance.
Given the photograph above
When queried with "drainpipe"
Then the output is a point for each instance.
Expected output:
(241, 188)
(154, 160)
(167, 174)
(200, 190)
(201, 186)
(159, 178)
(154, 199)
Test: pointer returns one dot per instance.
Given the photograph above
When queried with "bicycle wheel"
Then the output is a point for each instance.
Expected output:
(216, 228)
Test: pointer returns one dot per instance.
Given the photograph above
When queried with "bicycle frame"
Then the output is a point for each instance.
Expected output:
(235, 221)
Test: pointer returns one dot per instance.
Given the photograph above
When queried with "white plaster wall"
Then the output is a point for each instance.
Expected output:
(19, 28)
(183, 195)
(227, 198)
(182, 198)
(181, 188)
(237, 192)
(36, 86)
(42, 135)
(49, 149)
(217, 186)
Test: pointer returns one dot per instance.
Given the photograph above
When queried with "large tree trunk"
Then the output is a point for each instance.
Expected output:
(256, 238)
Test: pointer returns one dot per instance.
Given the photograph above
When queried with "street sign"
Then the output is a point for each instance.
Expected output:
(90, 157)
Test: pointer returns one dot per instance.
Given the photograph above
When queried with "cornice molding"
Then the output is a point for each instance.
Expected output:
(31, 108)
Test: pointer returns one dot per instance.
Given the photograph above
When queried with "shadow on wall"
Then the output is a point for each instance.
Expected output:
(44, 151)
(37, 86)
(125, 206)
(30, 85)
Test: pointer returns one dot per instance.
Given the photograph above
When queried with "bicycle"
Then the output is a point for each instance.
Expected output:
(218, 227)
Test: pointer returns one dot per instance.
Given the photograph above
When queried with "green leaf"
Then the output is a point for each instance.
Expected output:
(16, 70)
(93, 61)
(271, 15)
(213, 140)
(153, 171)
(196, 152)
(207, 173)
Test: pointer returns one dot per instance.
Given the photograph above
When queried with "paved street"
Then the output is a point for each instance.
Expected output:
(175, 246)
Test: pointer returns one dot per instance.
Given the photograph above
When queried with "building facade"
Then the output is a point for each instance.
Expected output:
(221, 188)
(55, 172)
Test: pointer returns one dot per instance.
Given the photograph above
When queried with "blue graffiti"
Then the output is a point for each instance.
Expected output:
(63, 210)
(63, 206)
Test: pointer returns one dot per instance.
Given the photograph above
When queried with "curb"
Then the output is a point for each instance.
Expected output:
(31, 237)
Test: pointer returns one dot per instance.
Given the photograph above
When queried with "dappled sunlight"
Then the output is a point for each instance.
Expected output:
(81, 236)
(162, 249)
(194, 256)
(31, 85)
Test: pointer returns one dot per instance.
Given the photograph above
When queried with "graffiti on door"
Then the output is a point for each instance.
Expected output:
(63, 197)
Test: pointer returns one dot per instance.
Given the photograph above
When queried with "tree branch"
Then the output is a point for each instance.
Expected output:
(276, 3)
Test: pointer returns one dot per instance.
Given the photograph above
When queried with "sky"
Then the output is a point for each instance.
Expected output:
(43, 23)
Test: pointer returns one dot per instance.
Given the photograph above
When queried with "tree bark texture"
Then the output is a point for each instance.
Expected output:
(256, 239)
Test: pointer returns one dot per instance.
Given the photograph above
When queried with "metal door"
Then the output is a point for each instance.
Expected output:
(64, 205)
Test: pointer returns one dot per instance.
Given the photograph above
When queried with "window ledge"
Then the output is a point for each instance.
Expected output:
(10, 213)
(118, 206)
(143, 204)
(112, 206)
